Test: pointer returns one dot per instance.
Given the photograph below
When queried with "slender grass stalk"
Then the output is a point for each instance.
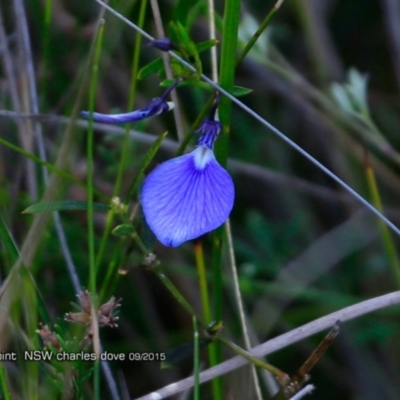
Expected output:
(29, 308)
(306, 14)
(196, 360)
(90, 144)
(27, 88)
(215, 350)
(3, 382)
(213, 50)
(46, 44)
(111, 278)
(239, 303)
(227, 73)
(7, 241)
(90, 212)
(217, 279)
(264, 24)
(176, 293)
(201, 273)
(131, 100)
(279, 374)
(205, 300)
(39, 161)
(125, 141)
(226, 80)
(385, 234)
(168, 70)
(12, 253)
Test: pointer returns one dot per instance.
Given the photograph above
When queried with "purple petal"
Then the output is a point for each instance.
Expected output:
(155, 107)
(187, 197)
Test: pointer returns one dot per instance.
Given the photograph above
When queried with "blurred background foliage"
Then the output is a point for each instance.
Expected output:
(304, 248)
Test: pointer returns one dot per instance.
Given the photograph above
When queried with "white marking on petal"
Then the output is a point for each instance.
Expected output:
(171, 105)
(202, 156)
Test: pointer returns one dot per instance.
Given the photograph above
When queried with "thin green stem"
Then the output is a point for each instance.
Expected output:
(131, 100)
(7, 242)
(39, 161)
(90, 162)
(239, 302)
(279, 374)
(201, 272)
(217, 280)
(175, 292)
(227, 73)
(90, 191)
(158, 270)
(196, 360)
(385, 234)
(125, 142)
(111, 276)
(205, 300)
(258, 33)
(29, 307)
(3, 382)
(306, 14)
(226, 80)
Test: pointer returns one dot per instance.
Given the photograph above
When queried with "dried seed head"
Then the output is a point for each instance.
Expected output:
(108, 308)
(49, 338)
(86, 301)
(78, 317)
(104, 315)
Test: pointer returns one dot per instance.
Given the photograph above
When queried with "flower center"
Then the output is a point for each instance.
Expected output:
(202, 156)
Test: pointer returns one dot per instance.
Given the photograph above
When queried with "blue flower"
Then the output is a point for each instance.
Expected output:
(156, 106)
(188, 196)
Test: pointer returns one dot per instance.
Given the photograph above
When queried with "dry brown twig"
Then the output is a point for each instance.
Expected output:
(280, 342)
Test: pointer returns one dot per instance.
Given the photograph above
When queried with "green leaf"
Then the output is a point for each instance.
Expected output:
(185, 41)
(64, 205)
(123, 230)
(181, 352)
(239, 91)
(186, 46)
(151, 68)
(203, 46)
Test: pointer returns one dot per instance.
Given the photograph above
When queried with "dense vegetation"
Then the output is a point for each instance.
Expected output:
(298, 246)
